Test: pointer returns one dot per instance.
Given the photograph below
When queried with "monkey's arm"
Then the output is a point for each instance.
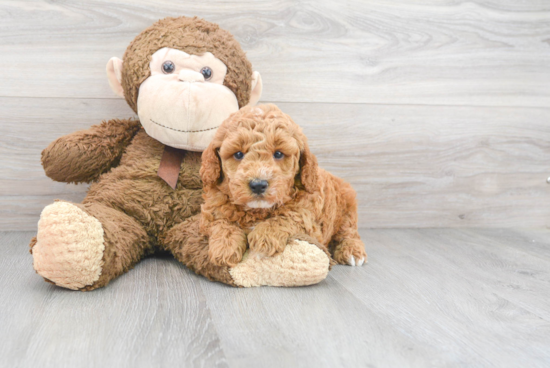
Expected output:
(82, 156)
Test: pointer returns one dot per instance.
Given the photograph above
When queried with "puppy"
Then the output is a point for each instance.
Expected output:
(262, 186)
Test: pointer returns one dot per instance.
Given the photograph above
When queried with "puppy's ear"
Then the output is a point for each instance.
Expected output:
(211, 166)
(308, 169)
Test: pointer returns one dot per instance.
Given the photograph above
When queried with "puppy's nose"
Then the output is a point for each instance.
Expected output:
(258, 186)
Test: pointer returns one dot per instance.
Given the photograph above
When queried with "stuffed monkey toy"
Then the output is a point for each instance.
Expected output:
(183, 77)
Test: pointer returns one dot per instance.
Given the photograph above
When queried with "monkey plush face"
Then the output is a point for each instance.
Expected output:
(184, 100)
(184, 77)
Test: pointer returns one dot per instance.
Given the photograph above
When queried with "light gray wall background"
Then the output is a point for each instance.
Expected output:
(438, 112)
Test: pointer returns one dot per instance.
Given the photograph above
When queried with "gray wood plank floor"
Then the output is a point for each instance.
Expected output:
(428, 297)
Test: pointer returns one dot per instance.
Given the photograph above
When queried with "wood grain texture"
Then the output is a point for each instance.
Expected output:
(445, 166)
(427, 297)
(164, 321)
(483, 290)
(436, 111)
(399, 52)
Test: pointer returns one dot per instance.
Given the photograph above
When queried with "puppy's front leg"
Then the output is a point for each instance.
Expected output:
(226, 243)
(270, 237)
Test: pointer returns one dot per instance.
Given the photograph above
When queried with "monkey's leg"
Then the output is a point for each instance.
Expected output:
(191, 248)
(84, 246)
(301, 263)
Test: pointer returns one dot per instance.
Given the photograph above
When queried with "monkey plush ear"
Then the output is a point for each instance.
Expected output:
(256, 92)
(114, 75)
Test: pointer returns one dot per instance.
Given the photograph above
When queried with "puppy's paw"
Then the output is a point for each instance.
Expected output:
(263, 242)
(350, 252)
(226, 252)
(352, 261)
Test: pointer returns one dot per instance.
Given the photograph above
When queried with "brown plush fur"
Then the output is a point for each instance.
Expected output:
(100, 148)
(305, 199)
(194, 36)
(139, 212)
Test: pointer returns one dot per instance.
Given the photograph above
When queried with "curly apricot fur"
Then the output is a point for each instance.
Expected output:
(301, 198)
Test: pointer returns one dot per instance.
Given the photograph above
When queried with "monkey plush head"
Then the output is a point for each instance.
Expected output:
(183, 77)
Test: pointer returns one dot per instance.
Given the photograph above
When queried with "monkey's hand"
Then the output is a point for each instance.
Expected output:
(82, 156)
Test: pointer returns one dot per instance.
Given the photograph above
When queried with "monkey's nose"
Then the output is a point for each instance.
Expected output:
(258, 186)
(190, 76)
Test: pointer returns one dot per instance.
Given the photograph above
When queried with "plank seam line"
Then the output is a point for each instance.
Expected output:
(542, 107)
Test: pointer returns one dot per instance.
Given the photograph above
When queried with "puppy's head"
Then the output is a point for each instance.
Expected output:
(259, 158)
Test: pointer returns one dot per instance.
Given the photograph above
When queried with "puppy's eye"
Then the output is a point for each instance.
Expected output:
(238, 155)
(206, 72)
(278, 155)
(168, 67)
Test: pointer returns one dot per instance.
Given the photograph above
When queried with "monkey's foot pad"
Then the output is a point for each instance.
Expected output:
(69, 247)
(300, 264)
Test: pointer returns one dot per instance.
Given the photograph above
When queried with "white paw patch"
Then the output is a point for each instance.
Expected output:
(356, 262)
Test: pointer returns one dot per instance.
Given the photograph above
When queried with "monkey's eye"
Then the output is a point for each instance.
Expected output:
(168, 67)
(238, 155)
(278, 155)
(206, 73)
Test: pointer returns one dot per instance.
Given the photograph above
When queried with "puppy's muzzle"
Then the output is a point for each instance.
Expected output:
(258, 186)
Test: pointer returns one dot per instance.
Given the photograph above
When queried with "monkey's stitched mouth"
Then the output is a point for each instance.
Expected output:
(183, 131)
